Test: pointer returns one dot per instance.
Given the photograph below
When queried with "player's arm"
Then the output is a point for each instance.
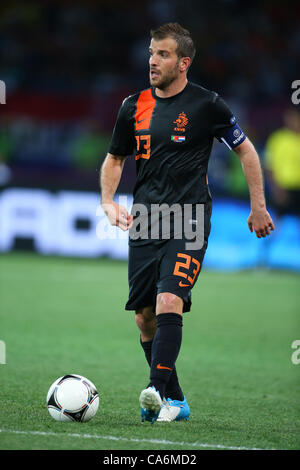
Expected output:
(259, 219)
(227, 130)
(111, 171)
(110, 175)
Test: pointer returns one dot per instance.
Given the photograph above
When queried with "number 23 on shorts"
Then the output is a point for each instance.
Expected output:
(185, 265)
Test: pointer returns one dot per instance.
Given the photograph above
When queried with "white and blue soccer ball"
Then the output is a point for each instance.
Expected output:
(72, 398)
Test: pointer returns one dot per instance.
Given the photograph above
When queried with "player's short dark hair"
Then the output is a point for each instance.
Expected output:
(185, 44)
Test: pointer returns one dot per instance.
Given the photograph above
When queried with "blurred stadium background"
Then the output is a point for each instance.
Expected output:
(67, 67)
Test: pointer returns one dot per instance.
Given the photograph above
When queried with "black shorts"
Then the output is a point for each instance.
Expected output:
(165, 266)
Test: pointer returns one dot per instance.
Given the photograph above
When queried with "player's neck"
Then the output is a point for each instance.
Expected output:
(173, 89)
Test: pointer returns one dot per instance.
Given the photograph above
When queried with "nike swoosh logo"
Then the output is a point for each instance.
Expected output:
(183, 285)
(162, 367)
(141, 120)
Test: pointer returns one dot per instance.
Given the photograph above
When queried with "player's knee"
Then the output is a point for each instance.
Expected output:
(145, 320)
(167, 303)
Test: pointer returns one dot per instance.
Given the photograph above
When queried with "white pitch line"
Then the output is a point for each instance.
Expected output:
(132, 439)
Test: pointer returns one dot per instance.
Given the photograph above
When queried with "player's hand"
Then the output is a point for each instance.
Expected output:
(260, 221)
(118, 215)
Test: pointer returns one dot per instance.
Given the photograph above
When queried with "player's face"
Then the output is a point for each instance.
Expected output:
(164, 62)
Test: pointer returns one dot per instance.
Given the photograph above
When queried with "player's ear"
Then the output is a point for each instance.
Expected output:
(184, 64)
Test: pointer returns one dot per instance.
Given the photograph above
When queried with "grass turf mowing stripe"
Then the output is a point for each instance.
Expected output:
(132, 439)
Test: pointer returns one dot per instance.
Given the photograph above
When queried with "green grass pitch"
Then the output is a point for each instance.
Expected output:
(62, 316)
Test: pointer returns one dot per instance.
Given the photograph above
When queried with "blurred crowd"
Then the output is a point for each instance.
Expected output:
(96, 53)
(244, 48)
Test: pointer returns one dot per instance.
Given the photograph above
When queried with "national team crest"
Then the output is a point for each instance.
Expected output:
(181, 122)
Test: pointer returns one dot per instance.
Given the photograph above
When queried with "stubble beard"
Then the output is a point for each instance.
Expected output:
(166, 80)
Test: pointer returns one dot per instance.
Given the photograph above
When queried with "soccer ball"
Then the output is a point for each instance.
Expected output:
(72, 398)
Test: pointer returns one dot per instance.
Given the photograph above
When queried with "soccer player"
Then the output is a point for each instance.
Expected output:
(170, 128)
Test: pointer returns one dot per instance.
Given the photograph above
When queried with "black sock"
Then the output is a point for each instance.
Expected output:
(147, 347)
(165, 349)
(173, 389)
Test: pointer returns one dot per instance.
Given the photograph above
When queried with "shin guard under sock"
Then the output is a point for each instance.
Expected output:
(165, 349)
(173, 389)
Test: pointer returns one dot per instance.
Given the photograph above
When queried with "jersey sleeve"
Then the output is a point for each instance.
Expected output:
(122, 141)
(224, 125)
